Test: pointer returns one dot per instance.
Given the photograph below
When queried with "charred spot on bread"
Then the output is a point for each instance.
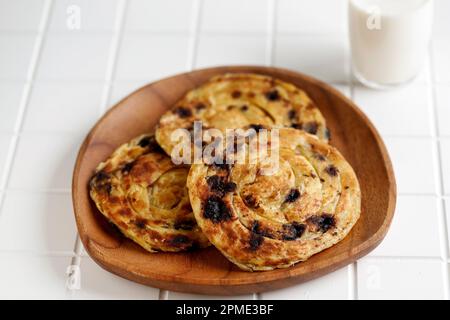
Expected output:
(332, 170)
(216, 210)
(102, 182)
(179, 240)
(250, 201)
(236, 94)
(183, 112)
(184, 225)
(293, 231)
(200, 106)
(219, 185)
(244, 108)
(310, 127)
(140, 223)
(319, 156)
(255, 241)
(272, 95)
(323, 222)
(327, 134)
(292, 196)
(292, 114)
(256, 127)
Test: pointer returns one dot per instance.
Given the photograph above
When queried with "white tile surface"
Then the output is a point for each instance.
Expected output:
(324, 57)
(441, 21)
(235, 15)
(10, 96)
(159, 15)
(319, 16)
(44, 161)
(74, 56)
(443, 108)
(147, 56)
(231, 50)
(329, 287)
(5, 143)
(187, 296)
(15, 55)
(97, 283)
(400, 279)
(63, 107)
(83, 15)
(23, 15)
(405, 111)
(441, 51)
(45, 221)
(414, 215)
(447, 218)
(28, 276)
(120, 90)
(344, 89)
(413, 164)
(445, 154)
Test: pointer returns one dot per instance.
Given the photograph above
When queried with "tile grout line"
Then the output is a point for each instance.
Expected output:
(191, 60)
(26, 91)
(113, 53)
(443, 232)
(114, 47)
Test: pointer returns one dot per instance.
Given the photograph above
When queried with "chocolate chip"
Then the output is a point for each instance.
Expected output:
(183, 112)
(184, 225)
(292, 196)
(346, 187)
(310, 127)
(255, 241)
(236, 94)
(150, 143)
(250, 201)
(244, 108)
(179, 239)
(219, 185)
(324, 222)
(292, 114)
(332, 170)
(256, 127)
(272, 95)
(140, 223)
(293, 231)
(216, 210)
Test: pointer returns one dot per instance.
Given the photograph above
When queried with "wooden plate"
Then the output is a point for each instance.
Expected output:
(207, 271)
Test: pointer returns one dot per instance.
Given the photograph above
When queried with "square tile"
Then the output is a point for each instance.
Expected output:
(445, 161)
(190, 296)
(400, 279)
(443, 109)
(68, 107)
(120, 90)
(74, 56)
(83, 15)
(25, 276)
(441, 21)
(151, 57)
(323, 57)
(97, 283)
(333, 286)
(159, 15)
(441, 51)
(45, 221)
(15, 55)
(10, 98)
(319, 16)
(414, 214)
(5, 144)
(44, 161)
(235, 16)
(23, 15)
(413, 163)
(231, 50)
(404, 111)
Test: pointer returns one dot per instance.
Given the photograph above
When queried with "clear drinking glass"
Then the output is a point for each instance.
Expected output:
(389, 40)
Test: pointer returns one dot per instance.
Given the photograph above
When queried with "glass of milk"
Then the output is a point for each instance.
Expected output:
(389, 40)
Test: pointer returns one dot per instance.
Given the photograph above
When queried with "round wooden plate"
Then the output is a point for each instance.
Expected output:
(207, 271)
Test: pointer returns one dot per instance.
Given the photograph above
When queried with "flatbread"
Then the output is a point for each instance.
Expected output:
(262, 222)
(236, 100)
(144, 194)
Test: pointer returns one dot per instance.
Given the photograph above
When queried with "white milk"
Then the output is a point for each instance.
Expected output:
(389, 39)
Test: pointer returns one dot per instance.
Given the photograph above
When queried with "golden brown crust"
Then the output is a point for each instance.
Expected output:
(144, 194)
(236, 100)
(262, 222)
